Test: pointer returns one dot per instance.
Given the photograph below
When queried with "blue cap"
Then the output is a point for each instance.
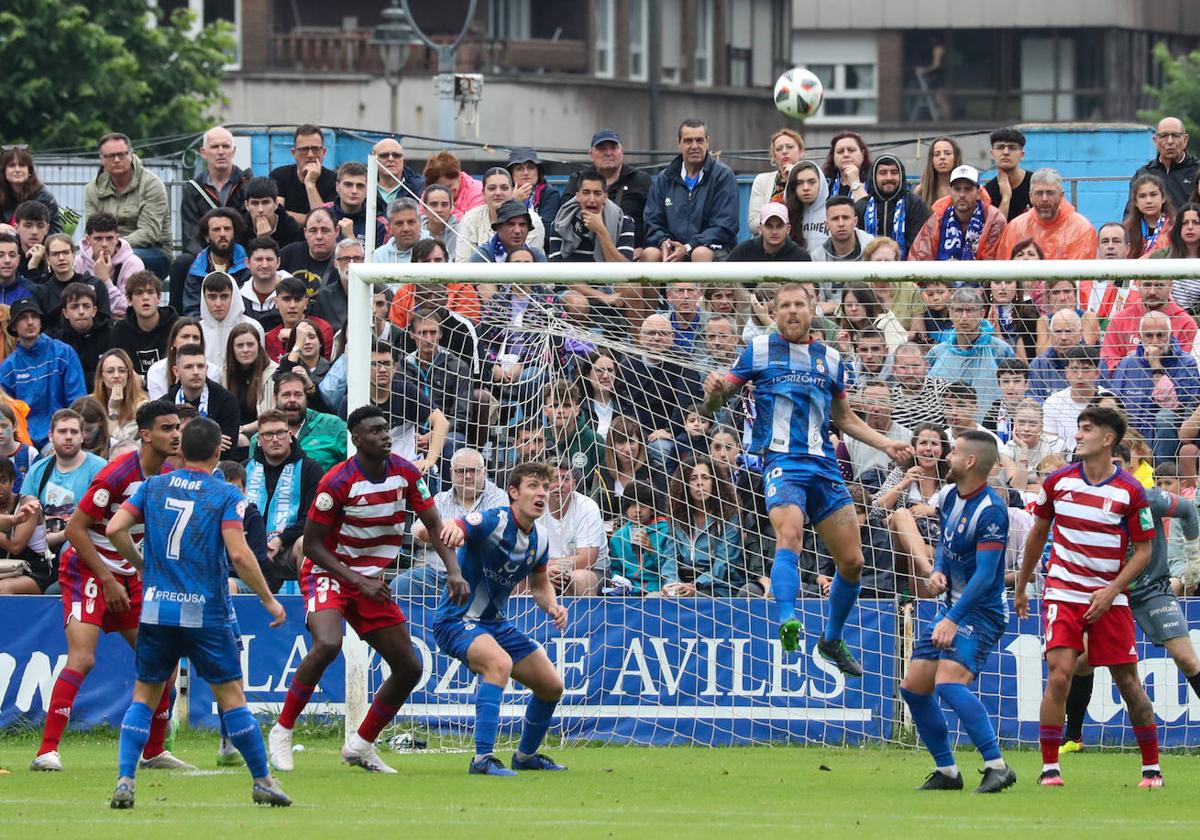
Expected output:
(605, 135)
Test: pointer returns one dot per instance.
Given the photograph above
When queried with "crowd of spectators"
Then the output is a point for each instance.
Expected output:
(651, 494)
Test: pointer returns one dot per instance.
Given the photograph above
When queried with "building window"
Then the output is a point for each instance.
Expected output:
(702, 57)
(847, 65)
(605, 24)
(639, 29)
(508, 19)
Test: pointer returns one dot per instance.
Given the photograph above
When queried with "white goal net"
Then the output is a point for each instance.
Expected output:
(659, 538)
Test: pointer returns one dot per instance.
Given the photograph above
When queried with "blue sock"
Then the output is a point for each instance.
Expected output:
(487, 717)
(247, 737)
(785, 582)
(135, 732)
(931, 726)
(224, 727)
(842, 596)
(973, 717)
(537, 721)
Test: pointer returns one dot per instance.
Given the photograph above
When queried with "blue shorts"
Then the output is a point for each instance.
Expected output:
(977, 636)
(454, 638)
(813, 484)
(212, 653)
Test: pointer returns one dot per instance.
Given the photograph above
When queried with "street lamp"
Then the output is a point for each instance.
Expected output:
(443, 82)
(394, 36)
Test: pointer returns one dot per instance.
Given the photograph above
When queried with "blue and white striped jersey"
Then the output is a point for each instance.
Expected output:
(974, 538)
(794, 388)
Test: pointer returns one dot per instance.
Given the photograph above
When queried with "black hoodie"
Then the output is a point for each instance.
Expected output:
(915, 210)
(89, 346)
(49, 296)
(144, 347)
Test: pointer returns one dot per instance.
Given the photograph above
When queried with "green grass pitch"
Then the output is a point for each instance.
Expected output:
(693, 792)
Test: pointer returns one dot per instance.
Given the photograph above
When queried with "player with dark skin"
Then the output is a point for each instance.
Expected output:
(373, 444)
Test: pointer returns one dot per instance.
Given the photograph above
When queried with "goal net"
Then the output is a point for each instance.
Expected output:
(660, 543)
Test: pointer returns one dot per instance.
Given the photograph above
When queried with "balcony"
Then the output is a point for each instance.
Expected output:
(334, 50)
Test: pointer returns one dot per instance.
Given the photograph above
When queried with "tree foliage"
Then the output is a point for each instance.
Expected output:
(1179, 95)
(73, 71)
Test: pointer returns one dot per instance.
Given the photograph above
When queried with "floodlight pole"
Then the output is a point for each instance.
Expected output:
(443, 82)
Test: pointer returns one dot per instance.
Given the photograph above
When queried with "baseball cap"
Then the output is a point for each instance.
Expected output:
(965, 172)
(510, 210)
(773, 210)
(605, 135)
(18, 309)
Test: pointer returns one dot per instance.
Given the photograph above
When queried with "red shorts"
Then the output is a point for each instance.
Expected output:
(83, 596)
(1110, 638)
(322, 591)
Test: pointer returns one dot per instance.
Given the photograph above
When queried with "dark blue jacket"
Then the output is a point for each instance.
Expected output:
(47, 376)
(707, 215)
(1134, 384)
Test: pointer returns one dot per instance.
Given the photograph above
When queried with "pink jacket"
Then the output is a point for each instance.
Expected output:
(470, 194)
(125, 265)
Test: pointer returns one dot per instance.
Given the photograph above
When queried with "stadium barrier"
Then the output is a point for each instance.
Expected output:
(647, 671)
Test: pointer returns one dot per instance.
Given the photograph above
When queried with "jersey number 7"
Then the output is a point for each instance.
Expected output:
(183, 509)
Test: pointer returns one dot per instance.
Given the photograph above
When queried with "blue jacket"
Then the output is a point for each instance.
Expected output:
(1047, 374)
(974, 365)
(18, 290)
(648, 570)
(47, 376)
(707, 215)
(1133, 383)
(715, 554)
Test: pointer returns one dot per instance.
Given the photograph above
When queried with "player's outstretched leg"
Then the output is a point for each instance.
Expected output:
(135, 731)
(839, 531)
(917, 691)
(1141, 715)
(536, 672)
(997, 775)
(788, 523)
(325, 627)
(494, 666)
(395, 646)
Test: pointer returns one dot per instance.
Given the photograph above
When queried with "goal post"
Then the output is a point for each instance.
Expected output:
(703, 669)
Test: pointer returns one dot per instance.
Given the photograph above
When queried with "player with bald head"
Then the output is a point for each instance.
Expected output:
(968, 572)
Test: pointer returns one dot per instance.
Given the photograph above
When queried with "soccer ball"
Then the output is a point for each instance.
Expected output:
(798, 93)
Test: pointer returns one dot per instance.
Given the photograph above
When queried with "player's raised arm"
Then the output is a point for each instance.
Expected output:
(243, 558)
(118, 534)
(543, 595)
(460, 590)
(853, 425)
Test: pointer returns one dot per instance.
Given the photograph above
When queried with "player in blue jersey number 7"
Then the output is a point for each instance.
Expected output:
(799, 389)
(949, 653)
(497, 549)
(193, 520)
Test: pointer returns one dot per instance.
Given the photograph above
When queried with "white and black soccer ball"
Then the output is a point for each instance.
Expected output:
(799, 93)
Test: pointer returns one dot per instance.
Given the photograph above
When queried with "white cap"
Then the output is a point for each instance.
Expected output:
(773, 210)
(965, 172)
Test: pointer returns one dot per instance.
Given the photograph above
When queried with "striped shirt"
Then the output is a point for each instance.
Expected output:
(366, 517)
(1094, 528)
(113, 485)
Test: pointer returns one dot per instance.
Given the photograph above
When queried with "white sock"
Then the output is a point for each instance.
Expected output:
(995, 764)
(951, 771)
(1053, 766)
(357, 743)
(1153, 767)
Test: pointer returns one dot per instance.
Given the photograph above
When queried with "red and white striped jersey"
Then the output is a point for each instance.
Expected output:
(109, 489)
(365, 517)
(1094, 527)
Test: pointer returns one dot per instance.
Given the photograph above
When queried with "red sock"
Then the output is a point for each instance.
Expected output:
(62, 699)
(378, 716)
(1050, 738)
(1147, 741)
(297, 698)
(160, 722)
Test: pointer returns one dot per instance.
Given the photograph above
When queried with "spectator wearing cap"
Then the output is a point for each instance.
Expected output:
(627, 187)
(511, 230)
(530, 186)
(476, 230)
(774, 241)
(1058, 228)
(1009, 190)
(890, 207)
(41, 371)
(692, 209)
(590, 226)
(961, 225)
(1159, 385)
(396, 178)
(1060, 412)
(1172, 164)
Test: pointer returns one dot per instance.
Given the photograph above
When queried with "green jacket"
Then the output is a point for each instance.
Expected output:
(322, 437)
(142, 211)
(583, 446)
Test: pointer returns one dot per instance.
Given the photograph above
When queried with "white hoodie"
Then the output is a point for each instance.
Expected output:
(815, 231)
(216, 333)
